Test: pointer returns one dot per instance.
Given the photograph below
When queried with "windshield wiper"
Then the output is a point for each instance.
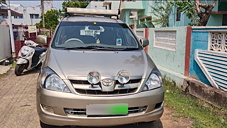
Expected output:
(101, 48)
(128, 49)
(89, 47)
(74, 48)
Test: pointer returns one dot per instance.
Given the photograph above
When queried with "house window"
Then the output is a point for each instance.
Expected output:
(218, 41)
(178, 14)
(165, 40)
(5, 17)
(18, 17)
(224, 20)
(34, 16)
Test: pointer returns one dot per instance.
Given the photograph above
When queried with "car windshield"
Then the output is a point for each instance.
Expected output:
(95, 36)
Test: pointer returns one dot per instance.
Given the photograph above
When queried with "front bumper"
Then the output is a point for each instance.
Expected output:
(56, 102)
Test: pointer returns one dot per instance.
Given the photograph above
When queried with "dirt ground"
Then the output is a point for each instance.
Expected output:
(18, 105)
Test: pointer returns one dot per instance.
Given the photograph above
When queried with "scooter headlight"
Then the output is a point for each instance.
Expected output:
(52, 81)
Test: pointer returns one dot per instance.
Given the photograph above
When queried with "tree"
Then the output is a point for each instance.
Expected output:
(194, 11)
(204, 16)
(161, 11)
(187, 8)
(76, 4)
(2, 1)
(51, 18)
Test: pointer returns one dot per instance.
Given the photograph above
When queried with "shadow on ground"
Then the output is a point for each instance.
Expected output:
(155, 124)
(33, 71)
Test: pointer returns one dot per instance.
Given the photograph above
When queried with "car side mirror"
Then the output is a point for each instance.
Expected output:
(144, 42)
(41, 39)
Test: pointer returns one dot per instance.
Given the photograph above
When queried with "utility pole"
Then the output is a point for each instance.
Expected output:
(42, 5)
(11, 29)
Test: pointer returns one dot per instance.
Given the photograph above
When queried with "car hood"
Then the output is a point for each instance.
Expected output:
(74, 64)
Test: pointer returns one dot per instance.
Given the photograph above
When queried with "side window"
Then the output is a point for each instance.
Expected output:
(60, 37)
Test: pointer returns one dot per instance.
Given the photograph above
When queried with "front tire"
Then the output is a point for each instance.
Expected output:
(19, 69)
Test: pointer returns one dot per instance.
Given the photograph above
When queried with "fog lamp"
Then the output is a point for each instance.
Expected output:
(48, 108)
(93, 77)
(123, 77)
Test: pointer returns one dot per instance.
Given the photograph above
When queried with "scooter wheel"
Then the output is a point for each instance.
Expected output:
(19, 69)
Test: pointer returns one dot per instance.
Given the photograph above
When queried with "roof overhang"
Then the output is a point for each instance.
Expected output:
(4, 12)
(106, 3)
(145, 17)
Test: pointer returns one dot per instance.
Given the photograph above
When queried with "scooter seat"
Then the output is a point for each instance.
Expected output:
(38, 52)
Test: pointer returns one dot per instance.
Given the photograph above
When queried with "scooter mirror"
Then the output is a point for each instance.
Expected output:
(41, 39)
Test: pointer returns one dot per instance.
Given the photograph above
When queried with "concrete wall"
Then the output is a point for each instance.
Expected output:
(5, 47)
(95, 5)
(170, 63)
(199, 40)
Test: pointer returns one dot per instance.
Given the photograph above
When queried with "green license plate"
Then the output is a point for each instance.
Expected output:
(107, 109)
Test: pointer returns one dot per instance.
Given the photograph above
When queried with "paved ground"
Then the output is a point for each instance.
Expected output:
(4, 69)
(18, 105)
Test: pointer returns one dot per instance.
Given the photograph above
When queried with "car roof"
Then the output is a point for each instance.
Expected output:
(91, 19)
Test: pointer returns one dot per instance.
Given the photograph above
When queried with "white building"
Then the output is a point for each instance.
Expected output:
(95, 5)
(29, 15)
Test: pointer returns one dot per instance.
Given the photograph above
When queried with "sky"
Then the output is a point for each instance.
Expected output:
(56, 3)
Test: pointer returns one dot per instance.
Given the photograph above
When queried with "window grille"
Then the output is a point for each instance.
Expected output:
(218, 41)
(165, 40)
(34, 16)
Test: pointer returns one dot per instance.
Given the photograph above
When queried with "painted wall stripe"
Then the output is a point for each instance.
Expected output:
(187, 51)
(146, 36)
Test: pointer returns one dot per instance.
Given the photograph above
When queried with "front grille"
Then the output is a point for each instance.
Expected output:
(86, 82)
(84, 87)
(79, 82)
(131, 110)
(99, 92)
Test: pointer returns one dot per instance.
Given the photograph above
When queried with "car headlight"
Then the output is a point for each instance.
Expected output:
(51, 81)
(154, 81)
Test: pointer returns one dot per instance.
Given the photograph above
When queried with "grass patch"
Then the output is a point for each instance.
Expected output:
(202, 114)
(13, 65)
(1, 75)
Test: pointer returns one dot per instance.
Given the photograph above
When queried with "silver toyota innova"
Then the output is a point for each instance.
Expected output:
(96, 73)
